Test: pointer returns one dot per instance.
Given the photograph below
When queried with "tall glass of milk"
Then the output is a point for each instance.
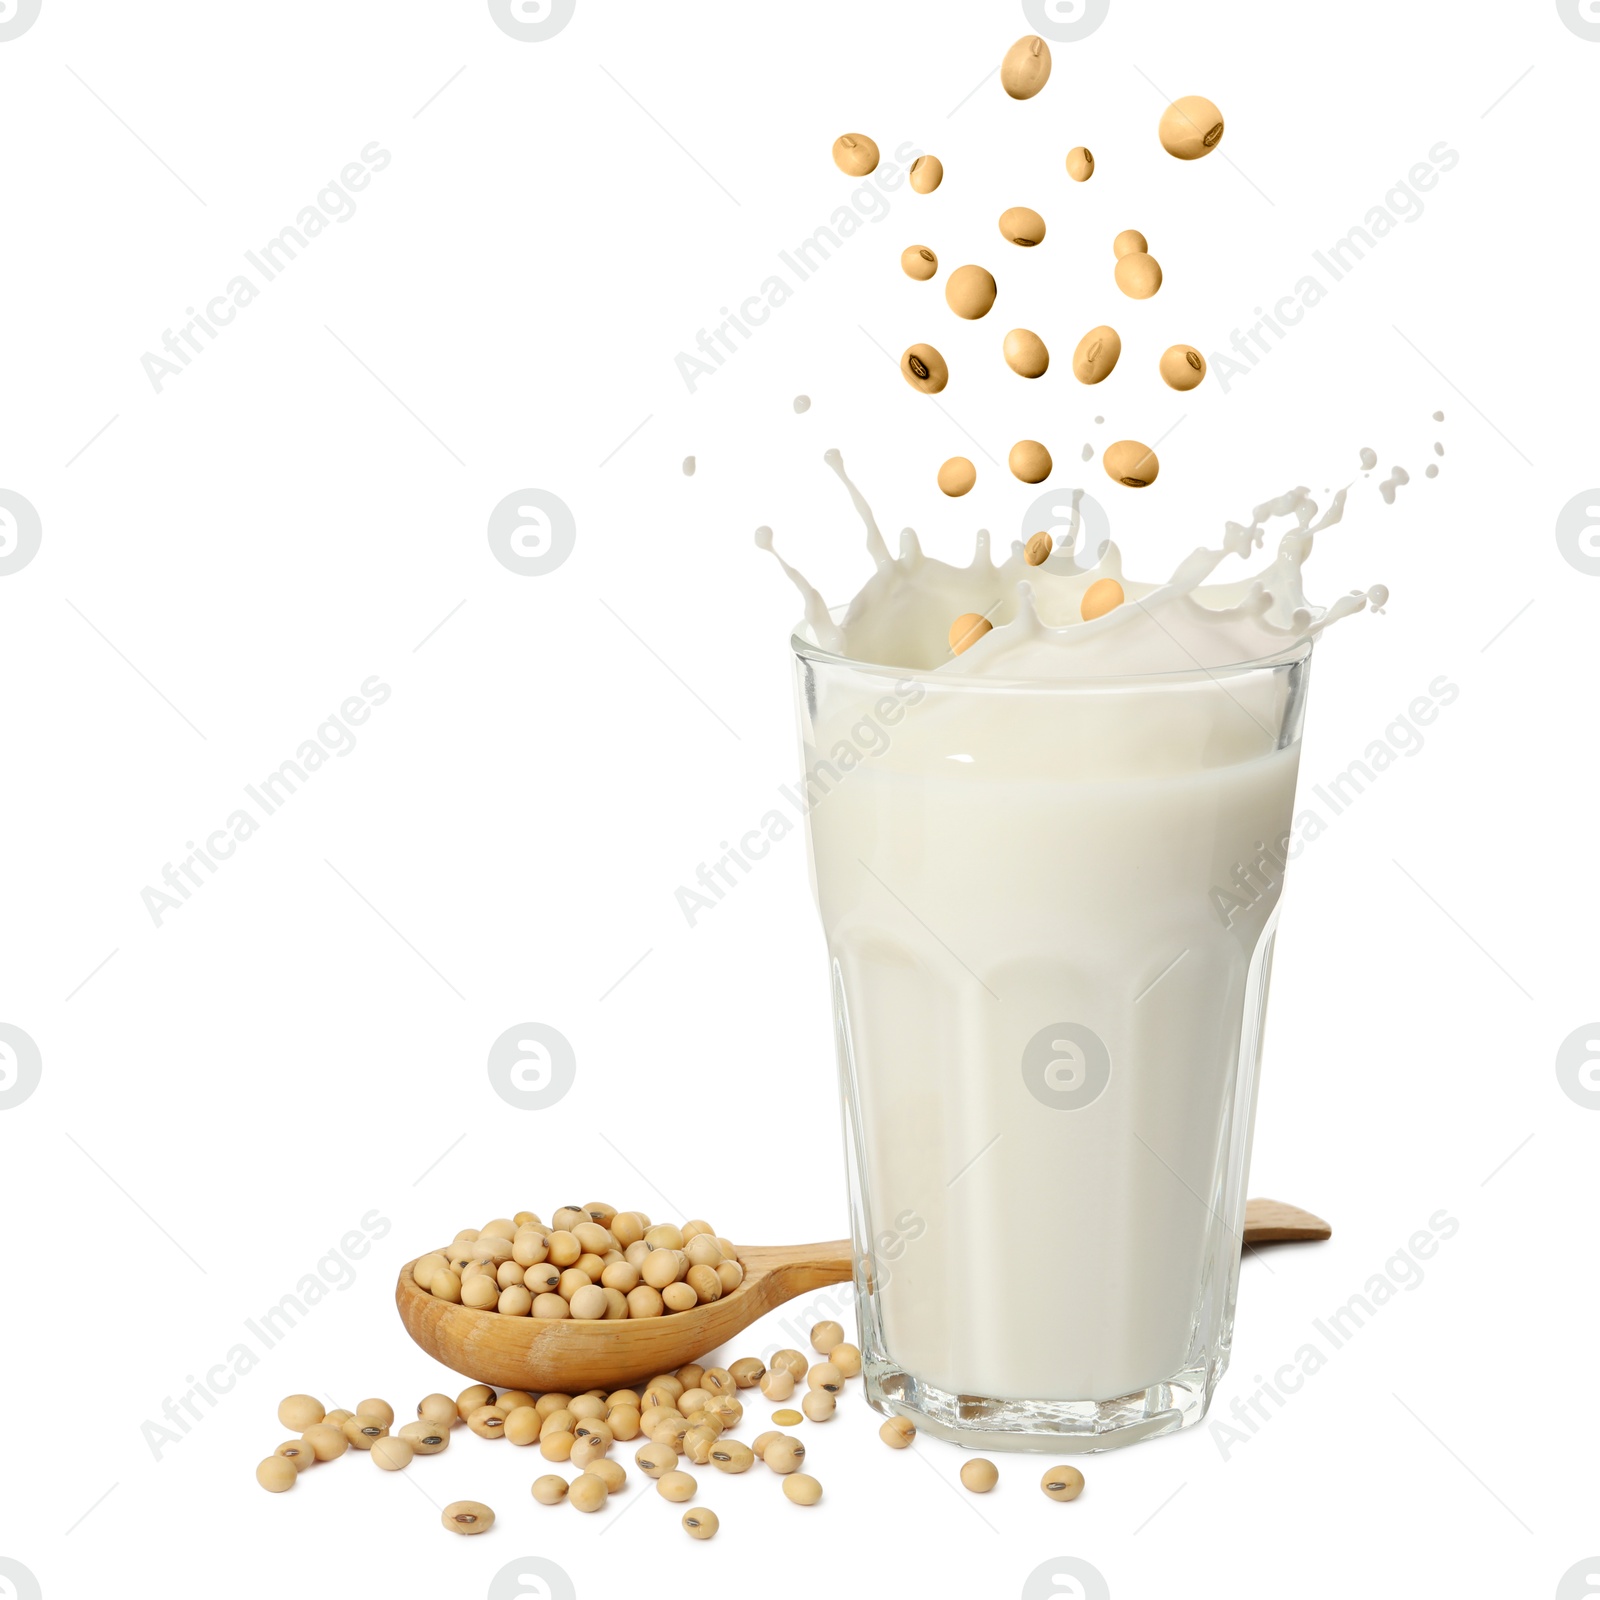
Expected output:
(1050, 909)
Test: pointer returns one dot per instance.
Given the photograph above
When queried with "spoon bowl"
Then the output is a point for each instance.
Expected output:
(545, 1355)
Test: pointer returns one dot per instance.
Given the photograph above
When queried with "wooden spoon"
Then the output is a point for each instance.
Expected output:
(543, 1355)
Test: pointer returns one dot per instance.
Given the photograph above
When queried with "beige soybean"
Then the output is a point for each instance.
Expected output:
(524, 1426)
(300, 1411)
(489, 1422)
(717, 1381)
(583, 1405)
(924, 368)
(825, 1375)
(1129, 242)
(676, 1486)
(564, 1248)
(855, 154)
(693, 1400)
(392, 1454)
(381, 1409)
(530, 1247)
(706, 1284)
(727, 1410)
(1097, 355)
(679, 1297)
(784, 1454)
(514, 1301)
(542, 1278)
(980, 1476)
(587, 1492)
(556, 1446)
(970, 291)
(1131, 463)
(762, 1440)
(645, 1302)
(965, 632)
(467, 1516)
(509, 1273)
(927, 173)
(550, 1307)
(818, 1405)
(611, 1473)
(654, 1459)
(572, 1280)
(588, 1304)
(1025, 353)
(1080, 164)
(1104, 595)
(1138, 275)
(424, 1267)
(587, 1451)
(430, 1438)
(729, 1455)
(956, 477)
(1029, 461)
(1182, 367)
(699, 1523)
(625, 1422)
(1062, 1483)
(446, 1285)
(919, 262)
(802, 1489)
(846, 1357)
(439, 1408)
(1025, 67)
(297, 1452)
(697, 1442)
(550, 1490)
(513, 1399)
(338, 1418)
(660, 1268)
(1036, 552)
(1190, 127)
(561, 1421)
(594, 1428)
(1022, 225)
(788, 1417)
(276, 1474)
(481, 1292)
(620, 1275)
(327, 1441)
(363, 1431)
(897, 1432)
(548, 1404)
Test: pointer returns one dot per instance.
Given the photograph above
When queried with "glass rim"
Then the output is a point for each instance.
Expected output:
(1297, 651)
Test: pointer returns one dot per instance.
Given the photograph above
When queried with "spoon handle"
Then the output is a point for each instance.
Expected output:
(797, 1269)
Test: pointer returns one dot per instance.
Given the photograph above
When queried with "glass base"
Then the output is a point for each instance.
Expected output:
(1060, 1427)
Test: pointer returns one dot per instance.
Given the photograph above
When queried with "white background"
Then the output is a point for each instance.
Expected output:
(304, 1041)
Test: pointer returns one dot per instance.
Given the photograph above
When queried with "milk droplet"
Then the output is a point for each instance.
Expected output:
(1391, 483)
(688, 466)
(802, 403)
(1432, 472)
(1378, 597)
(1088, 452)
(1438, 449)
(1369, 459)
(1438, 416)
(1099, 419)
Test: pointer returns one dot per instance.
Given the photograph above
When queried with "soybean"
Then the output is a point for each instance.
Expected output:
(1029, 461)
(363, 1431)
(467, 1516)
(611, 1473)
(276, 1474)
(802, 1489)
(791, 1360)
(550, 1490)
(919, 262)
(788, 1417)
(970, 291)
(784, 1455)
(488, 1422)
(1131, 463)
(1138, 275)
(676, 1486)
(299, 1412)
(729, 1455)
(699, 1523)
(1025, 353)
(748, 1371)
(1022, 225)
(438, 1408)
(927, 173)
(1080, 164)
(1035, 553)
(392, 1454)
(855, 154)
(1103, 595)
(587, 1492)
(1097, 355)
(965, 632)
(297, 1453)
(654, 1459)
(1025, 68)
(897, 1432)
(924, 368)
(1182, 367)
(327, 1441)
(1062, 1483)
(846, 1357)
(980, 1476)
(818, 1405)
(429, 1438)
(956, 477)
(1129, 242)
(1190, 127)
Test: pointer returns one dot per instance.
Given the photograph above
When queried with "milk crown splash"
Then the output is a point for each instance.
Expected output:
(901, 616)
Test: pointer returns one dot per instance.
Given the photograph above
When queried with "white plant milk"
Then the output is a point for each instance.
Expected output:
(1049, 898)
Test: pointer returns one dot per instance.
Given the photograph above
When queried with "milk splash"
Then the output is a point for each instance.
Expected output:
(901, 616)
